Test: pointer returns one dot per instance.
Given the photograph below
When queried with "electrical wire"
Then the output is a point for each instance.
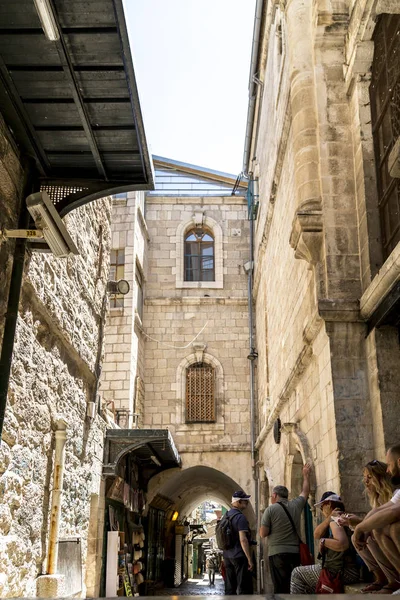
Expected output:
(175, 347)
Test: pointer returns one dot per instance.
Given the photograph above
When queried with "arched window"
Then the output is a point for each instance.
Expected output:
(385, 112)
(200, 393)
(199, 256)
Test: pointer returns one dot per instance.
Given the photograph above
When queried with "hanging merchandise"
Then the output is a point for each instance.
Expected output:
(126, 495)
(136, 501)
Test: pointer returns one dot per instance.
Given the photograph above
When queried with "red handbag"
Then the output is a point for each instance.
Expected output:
(328, 583)
(306, 558)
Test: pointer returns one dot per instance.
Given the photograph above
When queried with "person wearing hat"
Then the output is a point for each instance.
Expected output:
(238, 560)
(283, 542)
(334, 545)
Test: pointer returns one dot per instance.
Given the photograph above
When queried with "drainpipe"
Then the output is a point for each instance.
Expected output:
(58, 477)
(252, 84)
(252, 357)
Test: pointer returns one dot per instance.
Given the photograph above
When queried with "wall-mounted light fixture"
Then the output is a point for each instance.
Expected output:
(253, 354)
(50, 226)
(248, 266)
(118, 287)
(175, 516)
(155, 460)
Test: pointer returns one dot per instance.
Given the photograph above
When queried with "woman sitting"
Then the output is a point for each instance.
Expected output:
(379, 491)
(334, 544)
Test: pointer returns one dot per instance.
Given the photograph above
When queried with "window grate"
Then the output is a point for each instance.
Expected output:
(200, 394)
(57, 193)
(385, 112)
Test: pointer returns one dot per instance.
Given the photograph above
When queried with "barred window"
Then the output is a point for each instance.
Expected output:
(385, 112)
(199, 256)
(200, 393)
(117, 269)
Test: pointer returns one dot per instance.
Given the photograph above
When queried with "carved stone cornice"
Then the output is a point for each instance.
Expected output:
(307, 233)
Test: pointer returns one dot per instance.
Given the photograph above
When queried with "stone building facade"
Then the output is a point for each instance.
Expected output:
(326, 240)
(122, 383)
(185, 323)
(54, 375)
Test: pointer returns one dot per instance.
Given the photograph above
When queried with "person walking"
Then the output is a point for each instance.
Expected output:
(238, 560)
(283, 542)
(212, 567)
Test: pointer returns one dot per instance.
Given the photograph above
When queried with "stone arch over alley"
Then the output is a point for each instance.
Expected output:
(188, 487)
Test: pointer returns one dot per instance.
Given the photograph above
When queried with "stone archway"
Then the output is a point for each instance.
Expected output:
(185, 489)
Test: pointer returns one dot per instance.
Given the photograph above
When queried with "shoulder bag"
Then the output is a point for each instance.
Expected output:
(306, 558)
(329, 582)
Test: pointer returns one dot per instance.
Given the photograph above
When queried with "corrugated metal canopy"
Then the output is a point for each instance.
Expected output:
(145, 444)
(73, 104)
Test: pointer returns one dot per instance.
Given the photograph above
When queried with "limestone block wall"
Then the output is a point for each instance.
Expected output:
(56, 355)
(294, 370)
(122, 375)
(174, 316)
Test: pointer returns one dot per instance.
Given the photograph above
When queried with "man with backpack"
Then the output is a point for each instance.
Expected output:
(281, 523)
(233, 537)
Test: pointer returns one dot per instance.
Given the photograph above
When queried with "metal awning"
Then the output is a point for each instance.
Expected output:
(73, 104)
(153, 449)
(388, 311)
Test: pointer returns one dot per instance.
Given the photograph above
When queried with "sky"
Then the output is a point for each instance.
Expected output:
(192, 64)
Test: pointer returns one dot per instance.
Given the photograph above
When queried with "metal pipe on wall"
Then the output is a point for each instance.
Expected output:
(252, 356)
(56, 499)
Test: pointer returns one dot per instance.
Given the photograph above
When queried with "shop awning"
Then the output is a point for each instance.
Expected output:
(72, 104)
(153, 449)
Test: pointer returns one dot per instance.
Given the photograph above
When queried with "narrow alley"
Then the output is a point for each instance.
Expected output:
(196, 586)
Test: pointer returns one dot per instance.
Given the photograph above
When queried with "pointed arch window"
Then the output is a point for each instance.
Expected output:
(199, 256)
(200, 393)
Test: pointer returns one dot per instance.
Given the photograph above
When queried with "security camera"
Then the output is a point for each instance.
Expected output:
(49, 222)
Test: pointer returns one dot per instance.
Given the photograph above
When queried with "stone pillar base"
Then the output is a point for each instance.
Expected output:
(50, 586)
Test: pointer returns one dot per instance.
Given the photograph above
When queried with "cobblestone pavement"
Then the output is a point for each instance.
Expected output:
(198, 586)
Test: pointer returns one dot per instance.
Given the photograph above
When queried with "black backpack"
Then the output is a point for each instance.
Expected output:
(224, 532)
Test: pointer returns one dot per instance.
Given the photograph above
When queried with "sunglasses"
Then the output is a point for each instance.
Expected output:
(372, 463)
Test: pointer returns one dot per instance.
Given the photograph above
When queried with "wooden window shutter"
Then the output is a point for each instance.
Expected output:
(200, 393)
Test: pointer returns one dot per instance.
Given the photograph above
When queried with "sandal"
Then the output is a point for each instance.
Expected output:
(372, 587)
(389, 588)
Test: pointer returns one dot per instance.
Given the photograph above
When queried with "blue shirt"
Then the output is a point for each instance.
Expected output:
(239, 523)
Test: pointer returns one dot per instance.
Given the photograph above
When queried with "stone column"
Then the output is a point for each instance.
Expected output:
(306, 238)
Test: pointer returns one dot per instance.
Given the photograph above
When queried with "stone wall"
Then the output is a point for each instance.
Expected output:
(317, 251)
(122, 377)
(174, 315)
(56, 356)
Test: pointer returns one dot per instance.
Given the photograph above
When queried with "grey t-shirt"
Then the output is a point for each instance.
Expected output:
(281, 536)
